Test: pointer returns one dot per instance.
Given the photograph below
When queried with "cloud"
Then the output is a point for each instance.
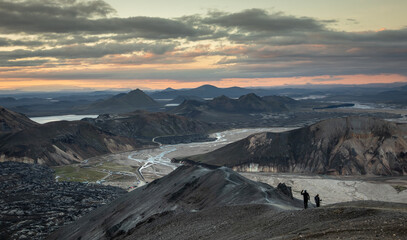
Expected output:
(329, 79)
(253, 43)
(254, 20)
(71, 16)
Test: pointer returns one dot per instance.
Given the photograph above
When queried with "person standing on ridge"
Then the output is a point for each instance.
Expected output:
(306, 198)
(317, 200)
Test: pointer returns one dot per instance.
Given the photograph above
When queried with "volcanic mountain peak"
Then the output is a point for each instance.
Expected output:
(11, 121)
(206, 87)
(250, 96)
(169, 89)
(136, 91)
(124, 102)
(135, 95)
(187, 189)
(220, 99)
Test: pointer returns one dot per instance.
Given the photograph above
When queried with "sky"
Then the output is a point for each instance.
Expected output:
(111, 44)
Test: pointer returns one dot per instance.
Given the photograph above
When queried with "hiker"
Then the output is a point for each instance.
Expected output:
(317, 200)
(306, 198)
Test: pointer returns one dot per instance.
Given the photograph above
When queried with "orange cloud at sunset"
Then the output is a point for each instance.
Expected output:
(73, 46)
(52, 85)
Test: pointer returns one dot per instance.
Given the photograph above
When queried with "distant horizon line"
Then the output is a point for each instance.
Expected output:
(310, 85)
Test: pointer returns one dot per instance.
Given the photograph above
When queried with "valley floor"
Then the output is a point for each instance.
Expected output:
(133, 169)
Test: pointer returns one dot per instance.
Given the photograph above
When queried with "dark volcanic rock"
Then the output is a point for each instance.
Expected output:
(33, 205)
(185, 190)
(352, 145)
(285, 189)
(352, 220)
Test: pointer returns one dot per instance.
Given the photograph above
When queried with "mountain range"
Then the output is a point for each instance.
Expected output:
(210, 91)
(344, 146)
(223, 107)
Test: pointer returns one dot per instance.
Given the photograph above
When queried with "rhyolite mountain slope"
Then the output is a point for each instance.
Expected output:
(351, 145)
(12, 122)
(145, 125)
(64, 142)
(122, 103)
(188, 189)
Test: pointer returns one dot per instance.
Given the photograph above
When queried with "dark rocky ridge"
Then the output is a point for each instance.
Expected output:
(247, 111)
(63, 142)
(185, 190)
(32, 204)
(352, 145)
(250, 103)
(146, 125)
(12, 122)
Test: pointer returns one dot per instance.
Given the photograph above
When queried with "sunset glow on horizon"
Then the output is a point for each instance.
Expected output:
(56, 45)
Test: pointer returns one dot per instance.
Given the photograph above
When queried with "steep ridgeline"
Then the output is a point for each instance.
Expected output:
(12, 122)
(187, 190)
(219, 108)
(58, 143)
(352, 145)
(122, 103)
(145, 125)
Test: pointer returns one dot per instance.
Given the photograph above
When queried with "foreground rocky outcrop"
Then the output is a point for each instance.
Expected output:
(32, 204)
(351, 220)
(187, 190)
(59, 143)
(351, 145)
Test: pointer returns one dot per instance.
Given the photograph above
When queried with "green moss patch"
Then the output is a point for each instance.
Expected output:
(78, 174)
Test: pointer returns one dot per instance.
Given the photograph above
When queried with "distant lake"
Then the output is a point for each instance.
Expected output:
(172, 104)
(61, 118)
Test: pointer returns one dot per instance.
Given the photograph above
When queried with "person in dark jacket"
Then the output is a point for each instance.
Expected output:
(306, 198)
(317, 200)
